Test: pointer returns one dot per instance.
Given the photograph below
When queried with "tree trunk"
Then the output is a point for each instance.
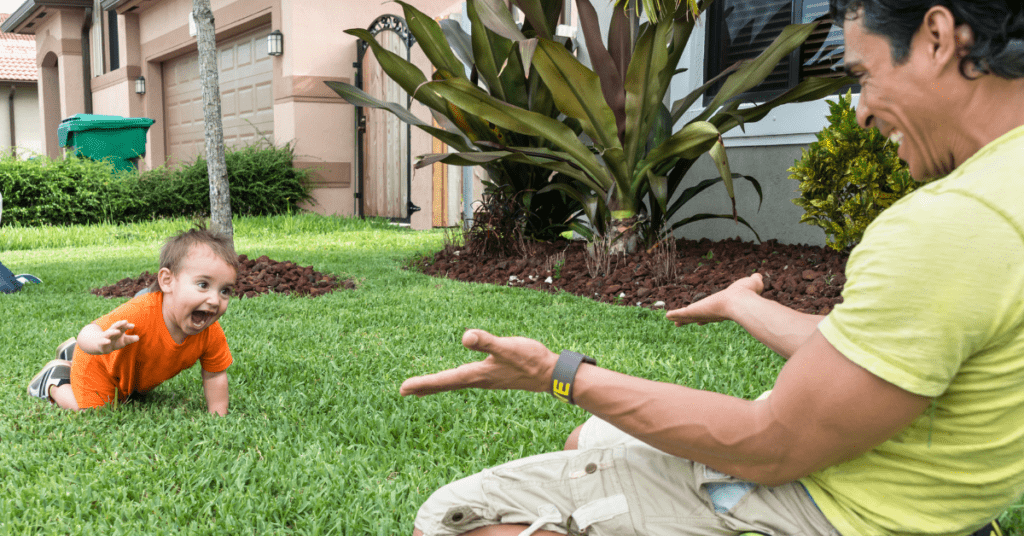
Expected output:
(220, 192)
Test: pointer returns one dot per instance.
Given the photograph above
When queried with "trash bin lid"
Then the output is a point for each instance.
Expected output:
(82, 122)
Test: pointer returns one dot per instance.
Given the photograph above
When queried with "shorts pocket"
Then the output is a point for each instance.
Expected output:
(602, 506)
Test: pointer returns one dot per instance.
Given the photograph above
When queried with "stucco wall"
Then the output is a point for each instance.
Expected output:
(778, 218)
(26, 121)
(109, 99)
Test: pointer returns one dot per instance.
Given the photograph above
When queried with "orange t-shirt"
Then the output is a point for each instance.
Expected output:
(148, 362)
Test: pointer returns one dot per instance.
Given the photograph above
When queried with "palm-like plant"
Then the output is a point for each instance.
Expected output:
(627, 172)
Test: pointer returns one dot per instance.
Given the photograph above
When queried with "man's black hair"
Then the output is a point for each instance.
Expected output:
(998, 27)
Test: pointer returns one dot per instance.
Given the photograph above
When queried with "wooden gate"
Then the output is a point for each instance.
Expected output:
(383, 141)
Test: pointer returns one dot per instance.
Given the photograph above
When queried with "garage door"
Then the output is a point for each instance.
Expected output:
(247, 104)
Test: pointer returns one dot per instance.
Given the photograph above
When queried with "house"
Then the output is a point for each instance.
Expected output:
(139, 58)
(19, 118)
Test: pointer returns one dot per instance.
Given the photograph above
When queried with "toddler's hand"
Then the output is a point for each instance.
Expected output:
(117, 337)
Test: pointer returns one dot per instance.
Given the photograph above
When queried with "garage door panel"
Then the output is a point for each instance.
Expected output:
(243, 53)
(265, 99)
(228, 104)
(227, 59)
(247, 104)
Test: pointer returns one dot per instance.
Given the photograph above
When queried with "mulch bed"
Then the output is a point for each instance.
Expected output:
(809, 279)
(255, 278)
(806, 278)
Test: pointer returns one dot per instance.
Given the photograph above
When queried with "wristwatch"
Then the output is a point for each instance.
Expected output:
(564, 374)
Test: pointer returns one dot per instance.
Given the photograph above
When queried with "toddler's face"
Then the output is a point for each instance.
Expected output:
(198, 294)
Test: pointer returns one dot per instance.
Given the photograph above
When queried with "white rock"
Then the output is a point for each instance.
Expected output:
(658, 304)
(549, 280)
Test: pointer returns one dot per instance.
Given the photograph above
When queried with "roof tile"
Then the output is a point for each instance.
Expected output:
(17, 56)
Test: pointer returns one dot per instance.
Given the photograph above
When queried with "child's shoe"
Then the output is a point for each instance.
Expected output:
(55, 373)
(66, 350)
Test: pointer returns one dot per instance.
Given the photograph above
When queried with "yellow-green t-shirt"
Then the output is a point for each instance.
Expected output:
(934, 303)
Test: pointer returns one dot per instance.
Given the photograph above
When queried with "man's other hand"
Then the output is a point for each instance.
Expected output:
(718, 306)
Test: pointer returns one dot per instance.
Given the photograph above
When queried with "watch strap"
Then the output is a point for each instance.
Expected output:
(564, 374)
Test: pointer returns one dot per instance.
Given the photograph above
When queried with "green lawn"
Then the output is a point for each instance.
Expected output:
(318, 440)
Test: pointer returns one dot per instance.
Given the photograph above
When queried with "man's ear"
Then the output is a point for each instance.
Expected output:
(942, 37)
(164, 277)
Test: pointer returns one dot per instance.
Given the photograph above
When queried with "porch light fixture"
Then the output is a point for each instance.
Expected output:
(275, 43)
(140, 85)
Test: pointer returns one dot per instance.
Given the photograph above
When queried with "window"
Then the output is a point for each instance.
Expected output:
(115, 59)
(742, 29)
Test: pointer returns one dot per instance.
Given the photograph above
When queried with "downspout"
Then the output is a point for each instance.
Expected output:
(87, 60)
(10, 108)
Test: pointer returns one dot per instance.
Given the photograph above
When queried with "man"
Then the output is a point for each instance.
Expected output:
(897, 414)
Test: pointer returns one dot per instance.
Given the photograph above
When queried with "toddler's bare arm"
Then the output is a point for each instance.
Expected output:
(94, 340)
(215, 388)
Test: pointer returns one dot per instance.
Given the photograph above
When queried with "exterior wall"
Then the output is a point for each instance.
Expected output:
(113, 93)
(59, 54)
(778, 218)
(26, 121)
(108, 96)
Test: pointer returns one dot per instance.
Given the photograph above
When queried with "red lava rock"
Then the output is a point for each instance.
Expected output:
(255, 277)
(810, 275)
(807, 278)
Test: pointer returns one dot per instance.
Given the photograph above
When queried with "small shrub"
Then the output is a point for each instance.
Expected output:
(261, 178)
(848, 177)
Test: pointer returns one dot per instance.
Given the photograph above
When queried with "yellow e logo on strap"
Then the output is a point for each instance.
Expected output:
(560, 390)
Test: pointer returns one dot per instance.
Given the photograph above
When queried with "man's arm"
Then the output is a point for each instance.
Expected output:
(824, 409)
(215, 388)
(778, 327)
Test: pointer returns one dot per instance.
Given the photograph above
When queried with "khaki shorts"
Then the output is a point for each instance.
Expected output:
(616, 485)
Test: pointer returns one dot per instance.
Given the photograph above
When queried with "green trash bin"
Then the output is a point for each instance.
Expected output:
(121, 140)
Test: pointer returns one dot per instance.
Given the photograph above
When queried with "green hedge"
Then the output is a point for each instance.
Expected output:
(71, 191)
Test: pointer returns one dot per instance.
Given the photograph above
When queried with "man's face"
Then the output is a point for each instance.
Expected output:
(906, 102)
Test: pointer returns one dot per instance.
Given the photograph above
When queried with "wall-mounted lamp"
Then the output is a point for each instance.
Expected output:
(275, 43)
(140, 85)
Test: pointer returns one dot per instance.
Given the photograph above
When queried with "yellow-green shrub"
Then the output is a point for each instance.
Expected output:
(848, 177)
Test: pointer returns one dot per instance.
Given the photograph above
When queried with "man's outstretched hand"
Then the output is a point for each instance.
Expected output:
(718, 306)
(512, 363)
